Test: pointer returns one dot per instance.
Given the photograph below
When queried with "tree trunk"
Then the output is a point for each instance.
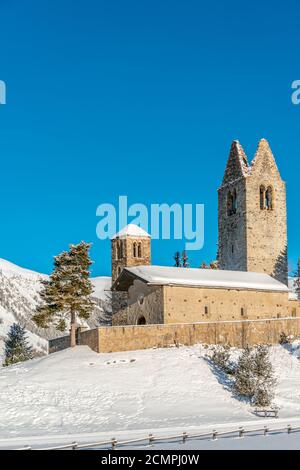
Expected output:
(73, 329)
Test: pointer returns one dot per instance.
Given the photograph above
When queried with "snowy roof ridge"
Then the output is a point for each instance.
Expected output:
(131, 230)
(207, 278)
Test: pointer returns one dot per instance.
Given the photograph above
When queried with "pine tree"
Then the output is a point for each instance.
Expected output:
(67, 294)
(244, 374)
(264, 377)
(254, 377)
(177, 259)
(17, 348)
(185, 259)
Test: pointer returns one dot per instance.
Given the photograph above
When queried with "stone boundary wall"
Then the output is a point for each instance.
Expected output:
(236, 333)
(58, 344)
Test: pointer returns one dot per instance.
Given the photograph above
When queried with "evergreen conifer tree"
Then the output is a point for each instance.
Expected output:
(221, 357)
(264, 377)
(67, 294)
(17, 348)
(244, 375)
(185, 259)
(177, 260)
(254, 377)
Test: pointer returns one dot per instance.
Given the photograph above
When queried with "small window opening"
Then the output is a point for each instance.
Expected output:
(134, 250)
(231, 202)
(269, 198)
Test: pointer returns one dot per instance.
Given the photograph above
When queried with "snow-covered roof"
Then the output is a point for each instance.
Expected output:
(131, 230)
(206, 278)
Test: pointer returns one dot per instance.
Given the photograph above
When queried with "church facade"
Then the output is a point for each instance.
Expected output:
(251, 282)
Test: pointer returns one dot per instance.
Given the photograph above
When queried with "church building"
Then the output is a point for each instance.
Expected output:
(251, 282)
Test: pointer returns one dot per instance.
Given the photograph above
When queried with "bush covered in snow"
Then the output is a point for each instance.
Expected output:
(244, 374)
(254, 376)
(221, 358)
(285, 339)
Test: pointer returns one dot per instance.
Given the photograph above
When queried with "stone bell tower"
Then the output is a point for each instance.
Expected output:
(252, 214)
(130, 247)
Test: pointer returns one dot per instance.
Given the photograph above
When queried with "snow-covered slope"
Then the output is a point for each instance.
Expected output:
(78, 391)
(19, 296)
(102, 285)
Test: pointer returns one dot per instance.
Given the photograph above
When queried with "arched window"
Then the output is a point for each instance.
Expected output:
(119, 270)
(120, 250)
(266, 198)
(262, 191)
(139, 250)
(269, 198)
(141, 321)
(134, 250)
(231, 202)
(234, 202)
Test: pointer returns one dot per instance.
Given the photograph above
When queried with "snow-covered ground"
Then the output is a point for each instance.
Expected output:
(77, 393)
(19, 296)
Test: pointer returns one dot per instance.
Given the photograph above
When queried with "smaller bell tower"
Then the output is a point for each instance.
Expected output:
(129, 247)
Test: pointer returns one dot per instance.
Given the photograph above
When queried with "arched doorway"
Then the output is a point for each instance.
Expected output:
(141, 320)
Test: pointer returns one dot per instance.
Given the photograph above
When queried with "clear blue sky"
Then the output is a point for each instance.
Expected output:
(141, 98)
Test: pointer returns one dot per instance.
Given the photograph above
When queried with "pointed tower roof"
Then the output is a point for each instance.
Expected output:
(237, 164)
(264, 158)
(131, 230)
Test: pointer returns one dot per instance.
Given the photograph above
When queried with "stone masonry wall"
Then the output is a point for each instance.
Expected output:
(192, 304)
(232, 242)
(235, 333)
(58, 344)
(266, 229)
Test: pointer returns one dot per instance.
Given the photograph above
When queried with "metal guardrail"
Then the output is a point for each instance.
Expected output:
(150, 439)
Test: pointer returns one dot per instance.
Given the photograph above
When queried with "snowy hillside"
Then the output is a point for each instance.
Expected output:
(19, 296)
(78, 391)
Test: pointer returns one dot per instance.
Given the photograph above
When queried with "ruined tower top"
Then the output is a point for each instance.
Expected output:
(237, 164)
(252, 214)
